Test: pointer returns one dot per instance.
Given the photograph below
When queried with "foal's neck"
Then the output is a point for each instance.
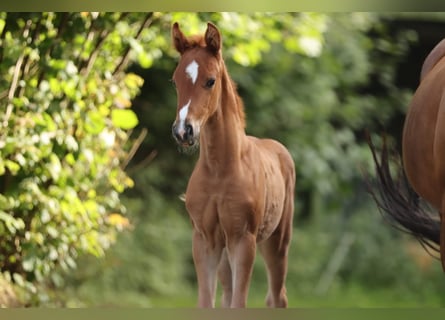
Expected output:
(223, 134)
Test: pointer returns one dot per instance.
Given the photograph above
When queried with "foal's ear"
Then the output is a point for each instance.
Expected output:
(179, 40)
(213, 38)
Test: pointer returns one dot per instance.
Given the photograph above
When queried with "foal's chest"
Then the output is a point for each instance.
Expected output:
(235, 204)
(215, 203)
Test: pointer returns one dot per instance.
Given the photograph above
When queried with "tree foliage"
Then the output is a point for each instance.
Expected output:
(65, 113)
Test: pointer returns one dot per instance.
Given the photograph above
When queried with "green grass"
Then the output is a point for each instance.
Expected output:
(351, 296)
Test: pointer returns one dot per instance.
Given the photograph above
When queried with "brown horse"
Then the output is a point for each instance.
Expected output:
(240, 194)
(423, 151)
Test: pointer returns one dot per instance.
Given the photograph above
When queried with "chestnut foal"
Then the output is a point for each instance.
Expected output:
(241, 192)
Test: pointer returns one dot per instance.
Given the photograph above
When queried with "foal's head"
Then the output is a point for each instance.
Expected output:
(198, 82)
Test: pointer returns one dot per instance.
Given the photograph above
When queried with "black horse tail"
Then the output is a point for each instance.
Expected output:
(400, 205)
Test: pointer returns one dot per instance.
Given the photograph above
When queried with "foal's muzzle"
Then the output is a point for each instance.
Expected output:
(184, 136)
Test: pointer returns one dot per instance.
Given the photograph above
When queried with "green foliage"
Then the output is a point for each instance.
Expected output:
(247, 37)
(65, 110)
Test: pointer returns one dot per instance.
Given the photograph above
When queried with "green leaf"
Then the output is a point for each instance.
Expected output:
(124, 118)
(70, 159)
(95, 122)
(145, 60)
(11, 223)
(132, 80)
(2, 25)
(13, 167)
(55, 86)
(52, 231)
(54, 167)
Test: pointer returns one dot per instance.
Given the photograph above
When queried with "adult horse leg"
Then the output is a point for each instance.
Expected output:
(241, 253)
(206, 261)
(225, 277)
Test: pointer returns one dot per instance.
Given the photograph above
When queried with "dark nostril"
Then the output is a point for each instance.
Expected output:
(188, 132)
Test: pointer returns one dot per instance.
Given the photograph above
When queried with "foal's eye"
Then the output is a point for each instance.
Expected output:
(210, 82)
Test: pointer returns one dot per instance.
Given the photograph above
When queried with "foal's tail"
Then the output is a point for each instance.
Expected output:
(400, 205)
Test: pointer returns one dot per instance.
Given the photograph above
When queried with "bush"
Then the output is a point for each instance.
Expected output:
(64, 136)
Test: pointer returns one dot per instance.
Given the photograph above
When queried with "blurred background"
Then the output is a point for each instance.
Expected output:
(90, 176)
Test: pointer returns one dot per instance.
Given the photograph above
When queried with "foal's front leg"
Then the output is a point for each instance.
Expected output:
(225, 278)
(206, 259)
(241, 253)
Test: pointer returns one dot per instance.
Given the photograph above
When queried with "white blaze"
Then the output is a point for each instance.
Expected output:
(192, 71)
(182, 116)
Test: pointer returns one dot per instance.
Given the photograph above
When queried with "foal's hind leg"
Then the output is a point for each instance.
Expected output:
(275, 251)
(275, 257)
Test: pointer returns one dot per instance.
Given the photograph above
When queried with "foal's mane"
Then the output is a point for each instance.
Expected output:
(198, 41)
